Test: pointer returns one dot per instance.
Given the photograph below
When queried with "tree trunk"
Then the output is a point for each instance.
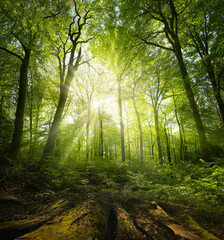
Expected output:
(101, 135)
(18, 125)
(216, 89)
(31, 117)
(48, 150)
(156, 118)
(121, 122)
(1, 110)
(185, 151)
(129, 147)
(168, 147)
(180, 130)
(174, 152)
(1, 114)
(140, 129)
(190, 95)
(87, 133)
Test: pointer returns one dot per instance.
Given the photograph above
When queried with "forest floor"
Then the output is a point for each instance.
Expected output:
(111, 202)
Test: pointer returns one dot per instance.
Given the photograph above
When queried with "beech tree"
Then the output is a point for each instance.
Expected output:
(161, 27)
(23, 23)
(74, 34)
(202, 25)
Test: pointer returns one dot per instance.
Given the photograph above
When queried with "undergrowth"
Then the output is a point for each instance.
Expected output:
(199, 186)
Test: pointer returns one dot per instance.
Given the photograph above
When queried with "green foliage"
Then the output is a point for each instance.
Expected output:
(87, 153)
(198, 186)
(194, 185)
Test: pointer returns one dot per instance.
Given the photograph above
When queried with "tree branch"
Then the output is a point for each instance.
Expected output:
(23, 45)
(12, 53)
(155, 44)
(75, 67)
(85, 41)
(52, 15)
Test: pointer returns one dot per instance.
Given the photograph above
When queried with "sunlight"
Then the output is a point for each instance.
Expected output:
(107, 104)
(97, 103)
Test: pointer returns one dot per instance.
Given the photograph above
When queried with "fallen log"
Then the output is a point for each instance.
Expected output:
(11, 229)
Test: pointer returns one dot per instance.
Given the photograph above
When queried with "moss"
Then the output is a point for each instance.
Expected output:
(23, 222)
(57, 205)
(126, 227)
(8, 224)
(194, 226)
(85, 221)
(159, 213)
(16, 228)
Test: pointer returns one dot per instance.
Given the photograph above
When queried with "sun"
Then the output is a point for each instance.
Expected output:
(107, 104)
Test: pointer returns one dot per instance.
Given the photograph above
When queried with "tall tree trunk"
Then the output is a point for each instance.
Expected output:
(151, 150)
(87, 132)
(129, 146)
(37, 119)
(168, 147)
(1, 113)
(216, 89)
(121, 122)
(96, 147)
(31, 117)
(185, 150)
(79, 148)
(1, 109)
(174, 152)
(101, 134)
(73, 64)
(139, 128)
(48, 150)
(1, 127)
(156, 118)
(179, 127)
(190, 95)
(18, 125)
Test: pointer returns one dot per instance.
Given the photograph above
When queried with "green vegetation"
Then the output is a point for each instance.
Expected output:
(123, 98)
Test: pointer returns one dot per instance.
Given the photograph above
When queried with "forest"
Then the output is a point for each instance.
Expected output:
(112, 119)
